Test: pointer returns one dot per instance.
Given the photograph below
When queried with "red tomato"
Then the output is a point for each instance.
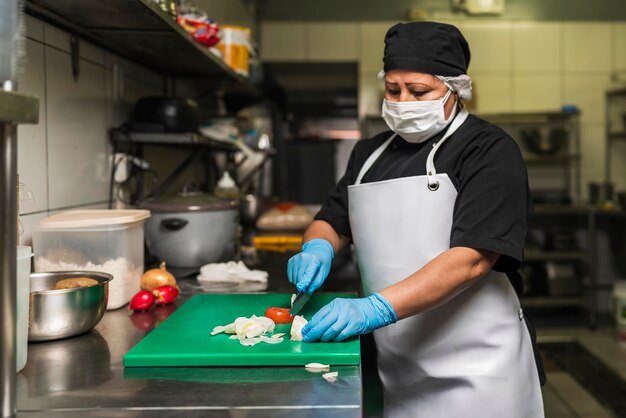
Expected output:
(279, 315)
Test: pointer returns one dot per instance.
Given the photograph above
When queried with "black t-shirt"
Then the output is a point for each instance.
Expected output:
(487, 169)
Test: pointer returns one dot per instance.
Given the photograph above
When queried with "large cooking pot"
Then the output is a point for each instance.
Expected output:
(193, 229)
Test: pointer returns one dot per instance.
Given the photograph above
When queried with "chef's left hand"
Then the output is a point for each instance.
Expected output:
(345, 318)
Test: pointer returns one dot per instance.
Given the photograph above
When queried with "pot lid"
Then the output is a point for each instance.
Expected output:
(188, 202)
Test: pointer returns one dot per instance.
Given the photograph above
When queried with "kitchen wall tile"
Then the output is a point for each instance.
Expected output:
(77, 132)
(56, 38)
(537, 47)
(283, 42)
(619, 46)
(491, 45)
(586, 47)
(492, 93)
(587, 92)
(536, 93)
(133, 71)
(34, 28)
(334, 42)
(372, 45)
(60, 39)
(371, 91)
(31, 145)
(27, 226)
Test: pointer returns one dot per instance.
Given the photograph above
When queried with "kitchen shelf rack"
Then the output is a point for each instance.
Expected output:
(141, 32)
(615, 125)
(586, 218)
(565, 160)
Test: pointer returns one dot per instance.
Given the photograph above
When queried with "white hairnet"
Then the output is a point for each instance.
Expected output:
(461, 85)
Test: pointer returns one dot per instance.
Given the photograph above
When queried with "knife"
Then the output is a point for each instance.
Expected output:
(301, 299)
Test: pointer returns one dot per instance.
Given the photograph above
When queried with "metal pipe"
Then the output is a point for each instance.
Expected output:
(8, 254)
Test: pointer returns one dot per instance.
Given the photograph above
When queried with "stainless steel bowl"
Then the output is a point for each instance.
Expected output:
(62, 313)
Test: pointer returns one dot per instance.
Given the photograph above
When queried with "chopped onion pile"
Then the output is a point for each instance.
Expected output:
(251, 331)
(296, 327)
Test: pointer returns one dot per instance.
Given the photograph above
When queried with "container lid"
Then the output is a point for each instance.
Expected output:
(189, 202)
(94, 217)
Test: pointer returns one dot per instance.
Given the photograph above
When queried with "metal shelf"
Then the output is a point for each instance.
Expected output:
(617, 135)
(538, 255)
(552, 301)
(143, 33)
(533, 118)
(550, 159)
(17, 108)
(171, 139)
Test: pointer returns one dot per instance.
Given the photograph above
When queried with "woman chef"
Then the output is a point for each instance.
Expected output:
(437, 213)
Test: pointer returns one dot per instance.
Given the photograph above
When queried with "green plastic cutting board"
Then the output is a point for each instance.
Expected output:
(184, 338)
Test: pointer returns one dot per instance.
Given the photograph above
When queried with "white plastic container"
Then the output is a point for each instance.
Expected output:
(23, 291)
(619, 294)
(110, 241)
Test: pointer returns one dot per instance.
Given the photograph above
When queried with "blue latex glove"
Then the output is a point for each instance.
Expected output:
(309, 268)
(345, 318)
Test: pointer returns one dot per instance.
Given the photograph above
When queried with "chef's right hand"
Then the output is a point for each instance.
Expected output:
(309, 268)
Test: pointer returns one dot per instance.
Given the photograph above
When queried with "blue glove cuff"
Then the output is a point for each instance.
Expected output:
(384, 308)
(319, 244)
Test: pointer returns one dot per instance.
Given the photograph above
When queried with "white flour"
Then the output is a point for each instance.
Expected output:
(126, 277)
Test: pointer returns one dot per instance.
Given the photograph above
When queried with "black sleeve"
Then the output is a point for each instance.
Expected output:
(335, 209)
(492, 205)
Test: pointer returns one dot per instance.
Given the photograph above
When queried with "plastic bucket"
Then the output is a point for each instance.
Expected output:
(236, 49)
(24, 255)
(619, 294)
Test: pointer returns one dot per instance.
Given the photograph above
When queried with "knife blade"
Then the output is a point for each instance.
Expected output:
(301, 299)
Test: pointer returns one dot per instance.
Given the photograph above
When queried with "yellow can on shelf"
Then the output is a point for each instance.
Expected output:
(236, 48)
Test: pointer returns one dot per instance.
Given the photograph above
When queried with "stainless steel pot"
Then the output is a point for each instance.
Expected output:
(193, 229)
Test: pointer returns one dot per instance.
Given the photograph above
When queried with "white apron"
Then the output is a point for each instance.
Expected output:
(470, 357)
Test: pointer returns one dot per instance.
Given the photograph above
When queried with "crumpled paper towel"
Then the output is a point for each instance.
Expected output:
(231, 271)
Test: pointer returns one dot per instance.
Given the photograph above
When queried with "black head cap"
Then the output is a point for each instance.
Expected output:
(426, 47)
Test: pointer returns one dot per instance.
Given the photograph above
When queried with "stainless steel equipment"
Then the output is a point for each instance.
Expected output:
(55, 314)
(192, 229)
(14, 109)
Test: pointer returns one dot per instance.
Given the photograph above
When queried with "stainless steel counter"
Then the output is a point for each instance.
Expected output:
(84, 377)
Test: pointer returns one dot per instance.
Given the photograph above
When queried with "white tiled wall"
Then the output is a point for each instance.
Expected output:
(63, 160)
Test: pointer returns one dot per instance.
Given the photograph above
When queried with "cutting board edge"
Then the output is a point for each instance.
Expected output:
(347, 359)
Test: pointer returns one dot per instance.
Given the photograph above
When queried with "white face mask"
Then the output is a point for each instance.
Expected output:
(417, 121)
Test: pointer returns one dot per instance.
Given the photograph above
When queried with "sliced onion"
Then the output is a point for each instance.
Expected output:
(317, 367)
(296, 327)
(271, 340)
(218, 330)
(331, 376)
(278, 335)
(250, 341)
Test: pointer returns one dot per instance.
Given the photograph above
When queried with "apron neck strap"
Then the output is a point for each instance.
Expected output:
(372, 159)
(430, 161)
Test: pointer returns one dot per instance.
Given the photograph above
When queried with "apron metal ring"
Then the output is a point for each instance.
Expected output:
(433, 186)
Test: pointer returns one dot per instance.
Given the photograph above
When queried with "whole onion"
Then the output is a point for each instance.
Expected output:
(154, 278)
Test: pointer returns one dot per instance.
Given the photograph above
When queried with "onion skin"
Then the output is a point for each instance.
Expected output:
(165, 294)
(154, 278)
(142, 301)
